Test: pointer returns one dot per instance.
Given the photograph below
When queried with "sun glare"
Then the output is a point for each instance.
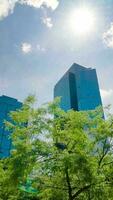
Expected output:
(82, 21)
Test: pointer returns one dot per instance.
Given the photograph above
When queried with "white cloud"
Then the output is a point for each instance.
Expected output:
(7, 6)
(51, 3)
(26, 47)
(106, 93)
(107, 98)
(39, 48)
(47, 21)
(108, 37)
(38, 3)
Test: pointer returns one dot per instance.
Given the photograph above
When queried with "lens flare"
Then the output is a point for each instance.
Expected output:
(82, 21)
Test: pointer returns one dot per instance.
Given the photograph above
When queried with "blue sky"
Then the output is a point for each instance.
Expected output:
(37, 46)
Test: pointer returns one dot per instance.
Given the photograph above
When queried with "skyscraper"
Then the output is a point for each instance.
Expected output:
(78, 89)
(7, 104)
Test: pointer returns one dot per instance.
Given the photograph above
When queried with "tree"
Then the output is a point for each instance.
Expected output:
(61, 155)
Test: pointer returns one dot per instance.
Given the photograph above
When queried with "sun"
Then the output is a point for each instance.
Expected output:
(82, 21)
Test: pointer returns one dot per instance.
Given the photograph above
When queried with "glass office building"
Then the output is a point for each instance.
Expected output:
(7, 104)
(78, 89)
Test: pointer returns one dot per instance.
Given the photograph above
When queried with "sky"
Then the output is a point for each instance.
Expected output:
(38, 45)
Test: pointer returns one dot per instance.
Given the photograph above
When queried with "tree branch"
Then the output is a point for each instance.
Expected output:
(69, 184)
(87, 187)
(107, 163)
(80, 191)
(105, 151)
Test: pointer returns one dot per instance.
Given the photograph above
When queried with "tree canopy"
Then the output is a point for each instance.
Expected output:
(58, 155)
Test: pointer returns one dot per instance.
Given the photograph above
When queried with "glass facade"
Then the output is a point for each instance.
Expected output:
(78, 89)
(7, 104)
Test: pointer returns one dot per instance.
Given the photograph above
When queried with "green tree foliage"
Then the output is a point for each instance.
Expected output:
(58, 155)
